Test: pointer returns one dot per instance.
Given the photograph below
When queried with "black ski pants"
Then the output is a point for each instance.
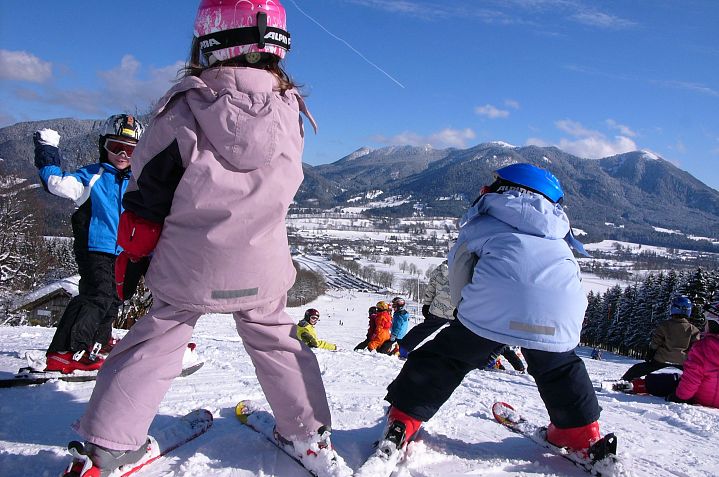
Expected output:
(421, 331)
(89, 316)
(646, 367)
(432, 373)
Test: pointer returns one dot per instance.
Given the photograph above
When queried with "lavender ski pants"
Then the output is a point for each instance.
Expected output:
(137, 374)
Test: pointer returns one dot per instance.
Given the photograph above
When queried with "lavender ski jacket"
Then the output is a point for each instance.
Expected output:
(512, 275)
(219, 166)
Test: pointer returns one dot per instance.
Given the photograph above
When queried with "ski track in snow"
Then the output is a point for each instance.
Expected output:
(655, 438)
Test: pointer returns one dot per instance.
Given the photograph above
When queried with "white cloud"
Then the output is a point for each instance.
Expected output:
(491, 112)
(24, 66)
(597, 147)
(602, 20)
(511, 103)
(447, 137)
(623, 130)
(128, 87)
(535, 141)
(586, 142)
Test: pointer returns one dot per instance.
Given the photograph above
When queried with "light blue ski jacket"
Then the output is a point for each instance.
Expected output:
(512, 275)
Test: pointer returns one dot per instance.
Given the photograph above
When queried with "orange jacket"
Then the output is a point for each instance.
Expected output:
(383, 323)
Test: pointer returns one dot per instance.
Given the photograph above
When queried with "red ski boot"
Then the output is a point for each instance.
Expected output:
(574, 438)
(68, 362)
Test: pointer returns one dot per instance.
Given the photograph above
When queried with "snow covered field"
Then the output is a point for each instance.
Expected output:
(655, 438)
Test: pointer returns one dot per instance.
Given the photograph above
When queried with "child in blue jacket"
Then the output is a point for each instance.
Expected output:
(515, 281)
(97, 189)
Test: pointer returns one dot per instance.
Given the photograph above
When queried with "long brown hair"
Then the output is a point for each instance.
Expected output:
(268, 62)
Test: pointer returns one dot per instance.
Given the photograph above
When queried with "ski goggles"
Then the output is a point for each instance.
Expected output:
(116, 146)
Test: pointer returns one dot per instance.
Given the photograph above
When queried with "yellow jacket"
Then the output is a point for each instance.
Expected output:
(307, 334)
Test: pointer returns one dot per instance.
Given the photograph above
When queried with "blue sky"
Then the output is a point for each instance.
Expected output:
(593, 78)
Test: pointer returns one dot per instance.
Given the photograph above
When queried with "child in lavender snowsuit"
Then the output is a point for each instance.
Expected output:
(215, 175)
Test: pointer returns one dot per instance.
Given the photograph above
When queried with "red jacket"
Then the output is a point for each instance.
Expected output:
(383, 323)
(700, 380)
(372, 325)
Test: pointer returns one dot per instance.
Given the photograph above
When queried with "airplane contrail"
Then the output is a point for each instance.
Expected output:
(348, 45)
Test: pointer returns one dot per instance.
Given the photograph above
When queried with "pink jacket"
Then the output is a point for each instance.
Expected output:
(700, 380)
(220, 164)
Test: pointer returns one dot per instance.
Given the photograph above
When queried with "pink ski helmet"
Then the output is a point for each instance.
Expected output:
(226, 29)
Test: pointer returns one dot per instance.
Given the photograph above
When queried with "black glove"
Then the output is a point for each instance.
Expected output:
(673, 398)
(454, 313)
(650, 354)
(46, 148)
(425, 312)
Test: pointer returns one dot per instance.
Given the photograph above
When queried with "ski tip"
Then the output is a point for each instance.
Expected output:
(501, 410)
(243, 411)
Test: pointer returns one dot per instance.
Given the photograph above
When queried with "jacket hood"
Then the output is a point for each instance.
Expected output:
(528, 213)
(224, 99)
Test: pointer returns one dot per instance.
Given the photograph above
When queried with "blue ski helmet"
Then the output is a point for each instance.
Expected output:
(681, 305)
(534, 179)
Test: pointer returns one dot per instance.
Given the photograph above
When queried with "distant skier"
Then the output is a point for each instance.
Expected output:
(514, 280)
(699, 382)
(372, 312)
(308, 335)
(670, 341)
(215, 174)
(84, 332)
(437, 310)
(597, 354)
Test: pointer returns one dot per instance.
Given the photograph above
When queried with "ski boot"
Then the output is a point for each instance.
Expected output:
(578, 439)
(91, 460)
(69, 362)
(400, 429)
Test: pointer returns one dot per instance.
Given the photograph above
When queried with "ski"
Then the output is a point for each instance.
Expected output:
(262, 421)
(179, 432)
(601, 458)
(29, 376)
(33, 373)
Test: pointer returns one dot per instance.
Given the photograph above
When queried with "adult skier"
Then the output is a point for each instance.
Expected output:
(215, 174)
(514, 280)
(84, 331)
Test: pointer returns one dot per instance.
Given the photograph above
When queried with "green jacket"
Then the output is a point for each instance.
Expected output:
(307, 334)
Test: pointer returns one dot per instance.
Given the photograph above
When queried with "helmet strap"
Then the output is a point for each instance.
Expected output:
(261, 35)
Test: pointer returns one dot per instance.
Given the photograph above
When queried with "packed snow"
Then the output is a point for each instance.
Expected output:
(656, 438)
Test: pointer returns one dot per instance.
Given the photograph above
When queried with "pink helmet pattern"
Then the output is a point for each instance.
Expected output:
(230, 28)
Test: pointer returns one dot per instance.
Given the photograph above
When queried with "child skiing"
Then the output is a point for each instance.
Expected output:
(514, 281)
(307, 334)
(215, 174)
(84, 331)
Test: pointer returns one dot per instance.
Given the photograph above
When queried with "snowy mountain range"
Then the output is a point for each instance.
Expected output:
(634, 196)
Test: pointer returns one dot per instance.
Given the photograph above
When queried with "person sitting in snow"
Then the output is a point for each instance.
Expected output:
(597, 354)
(383, 324)
(699, 382)
(514, 280)
(670, 341)
(509, 354)
(307, 334)
(370, 329)
(400, 326)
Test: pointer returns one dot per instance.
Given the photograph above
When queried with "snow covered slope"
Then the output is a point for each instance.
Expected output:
(655, 438)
